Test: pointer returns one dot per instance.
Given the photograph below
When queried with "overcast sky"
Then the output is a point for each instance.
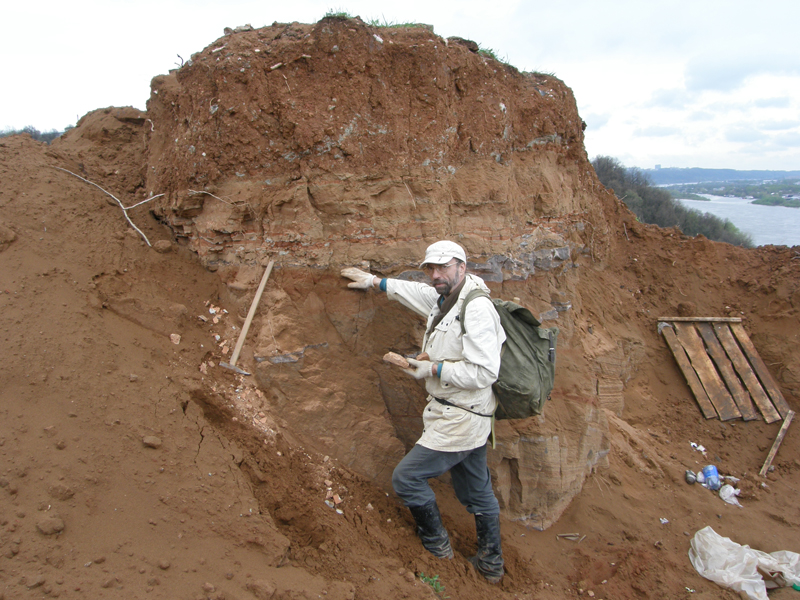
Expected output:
(700, 83)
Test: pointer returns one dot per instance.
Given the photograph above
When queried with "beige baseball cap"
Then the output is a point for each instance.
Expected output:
(441, 252)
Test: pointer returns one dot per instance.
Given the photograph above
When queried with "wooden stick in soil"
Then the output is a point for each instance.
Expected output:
(253, 306)
(781, 434)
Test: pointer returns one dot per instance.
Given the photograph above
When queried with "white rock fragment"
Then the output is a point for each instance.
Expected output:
(151, 441)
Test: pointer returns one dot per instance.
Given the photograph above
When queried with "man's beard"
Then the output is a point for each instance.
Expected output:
(444, 286)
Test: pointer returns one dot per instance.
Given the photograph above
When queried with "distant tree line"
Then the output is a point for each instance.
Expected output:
(698, 175)
(654, 205)
(39, 136)
(785, 192)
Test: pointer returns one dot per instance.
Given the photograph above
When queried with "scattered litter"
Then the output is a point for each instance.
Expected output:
(728, 493)
(690, 476)
(690, 590)
(740, 568)
(664, 521)
(203, 318)
(369, 506)
(329, 504)
(339, 511)
(175, 338)
(711, 476)
(698, 447)
(574, 537)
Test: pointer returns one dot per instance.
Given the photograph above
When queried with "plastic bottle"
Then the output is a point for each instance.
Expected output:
(711, 477)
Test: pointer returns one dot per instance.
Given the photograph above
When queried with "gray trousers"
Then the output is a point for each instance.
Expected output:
(468, 471)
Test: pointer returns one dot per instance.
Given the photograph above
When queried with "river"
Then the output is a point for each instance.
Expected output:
(777, 225)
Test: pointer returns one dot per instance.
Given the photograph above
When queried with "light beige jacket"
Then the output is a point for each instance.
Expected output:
(471, 364)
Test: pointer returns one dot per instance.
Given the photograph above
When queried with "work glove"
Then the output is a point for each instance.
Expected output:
(423, 368)
(361, 279)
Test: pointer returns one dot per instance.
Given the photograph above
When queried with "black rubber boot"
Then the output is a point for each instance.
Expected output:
(489, 559)
(431, 531)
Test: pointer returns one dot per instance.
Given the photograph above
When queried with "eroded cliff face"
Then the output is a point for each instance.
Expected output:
(335, 144)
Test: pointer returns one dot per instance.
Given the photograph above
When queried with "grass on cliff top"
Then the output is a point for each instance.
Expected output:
(375, 22)
(383, 22)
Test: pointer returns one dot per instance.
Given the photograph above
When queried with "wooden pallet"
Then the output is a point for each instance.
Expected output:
(725, 373)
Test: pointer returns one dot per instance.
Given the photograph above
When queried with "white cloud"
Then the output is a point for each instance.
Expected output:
(782, 102)
(656, 131)
(779, 125)
(594, 121)
(744, 135)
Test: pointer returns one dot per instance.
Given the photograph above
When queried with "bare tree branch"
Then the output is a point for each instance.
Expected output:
(124, 210)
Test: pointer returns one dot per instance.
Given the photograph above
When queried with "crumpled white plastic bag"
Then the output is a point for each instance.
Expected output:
(728, 493)
(734, 566)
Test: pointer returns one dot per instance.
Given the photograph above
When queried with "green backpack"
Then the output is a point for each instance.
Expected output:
(527, 361)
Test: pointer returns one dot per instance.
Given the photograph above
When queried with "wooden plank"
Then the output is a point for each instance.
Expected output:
(702, 319)
(735, 387)
(708, 410)
(774, 450)
(759, 396)
(715, 388)
(761, 370)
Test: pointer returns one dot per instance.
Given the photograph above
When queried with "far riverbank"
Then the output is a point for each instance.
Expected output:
(776, 225)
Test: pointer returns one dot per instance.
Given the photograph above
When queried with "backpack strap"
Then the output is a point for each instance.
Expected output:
(476, 293)
(448, 403)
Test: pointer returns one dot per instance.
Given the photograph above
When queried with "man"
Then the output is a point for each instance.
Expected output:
(459, 372)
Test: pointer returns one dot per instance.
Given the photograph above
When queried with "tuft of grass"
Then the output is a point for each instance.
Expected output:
(338, 13)
(435, 584)
(492, 53)
(383, 22)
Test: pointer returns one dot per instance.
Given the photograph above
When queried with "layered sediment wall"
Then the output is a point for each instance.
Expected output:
(337, 144)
